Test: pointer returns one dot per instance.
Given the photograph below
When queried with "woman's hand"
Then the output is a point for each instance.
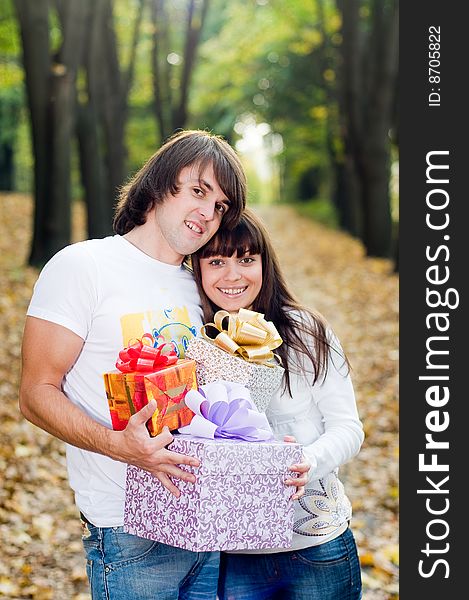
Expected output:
(302, 469)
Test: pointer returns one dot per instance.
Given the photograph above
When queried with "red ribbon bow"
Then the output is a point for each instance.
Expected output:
(144, 357)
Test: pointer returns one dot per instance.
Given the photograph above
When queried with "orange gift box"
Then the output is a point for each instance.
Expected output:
(128, 392)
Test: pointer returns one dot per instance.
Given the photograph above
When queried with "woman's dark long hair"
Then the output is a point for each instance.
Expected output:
(296, 324)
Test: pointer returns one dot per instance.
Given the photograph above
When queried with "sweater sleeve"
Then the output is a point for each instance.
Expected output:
(343, 431)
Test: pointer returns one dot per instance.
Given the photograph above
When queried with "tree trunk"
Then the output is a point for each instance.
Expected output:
(10, 108)
(161, 69)
(34, 29)
(113, 112)
(99, 219)
(376, 161)
(102, 116)
(369, 76)
(50, 84)
(195, 24)
(172, 113)
(6, 167)
(346, 192)
(349, 99)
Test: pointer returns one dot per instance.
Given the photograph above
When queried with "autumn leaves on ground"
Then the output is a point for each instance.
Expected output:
(42, 556)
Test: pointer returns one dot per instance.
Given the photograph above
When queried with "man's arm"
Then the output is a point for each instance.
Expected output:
(49, 351)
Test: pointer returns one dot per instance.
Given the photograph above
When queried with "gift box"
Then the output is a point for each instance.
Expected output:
(127, 393)
(148, 370)
(213, 363)
(239, 500)
(241, 350)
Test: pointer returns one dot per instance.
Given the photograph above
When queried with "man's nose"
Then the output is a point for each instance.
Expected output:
(207, 210)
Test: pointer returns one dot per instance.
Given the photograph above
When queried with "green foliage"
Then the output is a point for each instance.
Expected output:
(141, 136)
(275, 61)
(24, 163)
(9, 39)
(11, 90)
(274, 71)
(11, 72)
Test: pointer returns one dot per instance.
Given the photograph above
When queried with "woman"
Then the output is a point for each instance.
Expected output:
(316, 405)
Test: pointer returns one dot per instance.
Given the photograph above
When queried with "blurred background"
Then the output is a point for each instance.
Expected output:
(305, 90)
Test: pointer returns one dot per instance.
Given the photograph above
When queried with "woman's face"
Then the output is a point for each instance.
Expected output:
(231, 282)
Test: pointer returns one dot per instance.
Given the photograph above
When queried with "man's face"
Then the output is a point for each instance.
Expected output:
(187, 220)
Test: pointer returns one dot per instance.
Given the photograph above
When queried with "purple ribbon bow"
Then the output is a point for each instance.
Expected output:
(225, 410)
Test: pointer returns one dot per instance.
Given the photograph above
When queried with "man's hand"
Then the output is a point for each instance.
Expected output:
(150, 453)
(49, 351)
(302, 469)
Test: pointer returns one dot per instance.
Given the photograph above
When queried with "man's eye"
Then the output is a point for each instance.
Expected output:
(198, 191)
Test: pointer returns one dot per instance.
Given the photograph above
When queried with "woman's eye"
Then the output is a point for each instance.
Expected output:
(198, 192)
(247, 260)
(221, 208)
(216, 262)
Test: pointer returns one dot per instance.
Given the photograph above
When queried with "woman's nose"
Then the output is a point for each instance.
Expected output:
(232, 273)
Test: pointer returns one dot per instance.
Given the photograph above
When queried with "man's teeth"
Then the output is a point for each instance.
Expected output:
(232, 291)
(193, 227)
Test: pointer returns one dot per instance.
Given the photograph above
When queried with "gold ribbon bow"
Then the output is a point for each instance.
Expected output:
(248, 334)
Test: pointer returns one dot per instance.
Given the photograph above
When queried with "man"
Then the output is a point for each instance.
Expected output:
(90, 300)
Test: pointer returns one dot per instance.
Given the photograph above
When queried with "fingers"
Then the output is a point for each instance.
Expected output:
(168, 484)
(303, 467)
(299, 482)
(166, 473)
(164, 438)
(181, 459)
(144, 414)
(298, 494)
(176, 473)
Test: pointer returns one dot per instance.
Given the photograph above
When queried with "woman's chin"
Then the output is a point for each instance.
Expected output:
(231, 304)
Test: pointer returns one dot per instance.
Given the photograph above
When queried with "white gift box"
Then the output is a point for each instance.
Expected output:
(213, 364)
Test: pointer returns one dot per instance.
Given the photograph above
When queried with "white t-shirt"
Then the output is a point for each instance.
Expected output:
(109, 292)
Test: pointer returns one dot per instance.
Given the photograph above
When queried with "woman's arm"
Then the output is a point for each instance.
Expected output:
(343, 431)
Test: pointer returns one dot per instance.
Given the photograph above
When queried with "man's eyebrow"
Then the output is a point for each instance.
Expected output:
(206, 184)
(210, 188)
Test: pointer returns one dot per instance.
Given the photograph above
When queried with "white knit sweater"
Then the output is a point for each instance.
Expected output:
(324, 419)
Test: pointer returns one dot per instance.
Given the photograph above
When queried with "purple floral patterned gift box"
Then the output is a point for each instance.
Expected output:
(239, 500)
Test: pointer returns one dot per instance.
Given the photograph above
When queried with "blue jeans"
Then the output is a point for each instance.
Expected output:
(330, 571)
(121, 566)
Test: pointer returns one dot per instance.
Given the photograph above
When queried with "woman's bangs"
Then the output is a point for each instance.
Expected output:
(241, 240)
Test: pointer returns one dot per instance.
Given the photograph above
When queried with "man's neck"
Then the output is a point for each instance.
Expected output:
(145, 238)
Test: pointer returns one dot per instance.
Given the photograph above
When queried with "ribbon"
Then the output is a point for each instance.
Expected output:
(225, 410)
(248, 334)
(145, 355)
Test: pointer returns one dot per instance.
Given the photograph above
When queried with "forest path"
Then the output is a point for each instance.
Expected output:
(42, 557)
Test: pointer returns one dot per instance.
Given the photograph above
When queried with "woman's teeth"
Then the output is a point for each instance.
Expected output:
(232, 291)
